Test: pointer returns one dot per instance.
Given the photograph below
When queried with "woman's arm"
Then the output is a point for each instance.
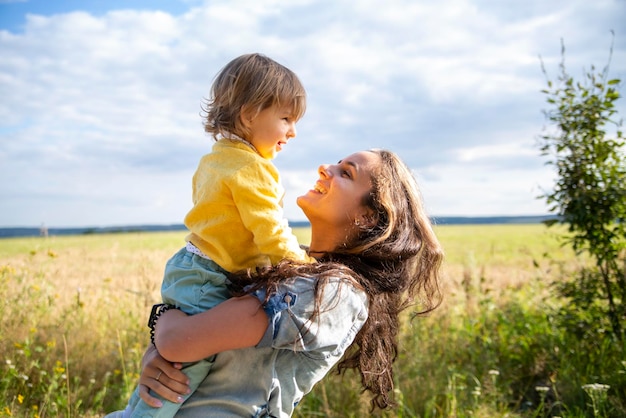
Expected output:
(236, 323)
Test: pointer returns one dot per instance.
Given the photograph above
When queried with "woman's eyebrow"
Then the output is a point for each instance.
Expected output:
(354, 166)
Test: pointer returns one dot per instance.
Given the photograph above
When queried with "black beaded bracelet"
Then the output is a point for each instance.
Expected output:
(157, 311)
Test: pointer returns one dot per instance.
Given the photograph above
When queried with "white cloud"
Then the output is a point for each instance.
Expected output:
(100, 111)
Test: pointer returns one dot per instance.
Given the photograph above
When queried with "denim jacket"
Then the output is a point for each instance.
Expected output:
(294, 354)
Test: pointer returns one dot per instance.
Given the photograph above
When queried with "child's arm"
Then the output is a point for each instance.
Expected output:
(236, 323)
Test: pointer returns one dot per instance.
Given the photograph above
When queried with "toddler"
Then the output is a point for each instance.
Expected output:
(236, 221)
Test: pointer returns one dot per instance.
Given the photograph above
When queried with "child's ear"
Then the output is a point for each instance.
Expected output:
(245, 116)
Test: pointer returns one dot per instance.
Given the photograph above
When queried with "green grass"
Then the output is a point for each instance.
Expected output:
(73, 330)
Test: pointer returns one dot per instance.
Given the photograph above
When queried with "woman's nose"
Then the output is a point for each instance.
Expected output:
(323, 170)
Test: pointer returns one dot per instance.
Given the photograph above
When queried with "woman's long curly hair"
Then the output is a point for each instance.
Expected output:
(396, 262)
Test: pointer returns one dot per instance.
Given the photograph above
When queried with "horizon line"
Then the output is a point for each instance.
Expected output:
(298, 221)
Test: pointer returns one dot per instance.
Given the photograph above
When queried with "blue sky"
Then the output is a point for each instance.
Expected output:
(100, 100)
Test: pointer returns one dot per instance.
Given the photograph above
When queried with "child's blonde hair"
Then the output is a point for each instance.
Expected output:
(251, 82)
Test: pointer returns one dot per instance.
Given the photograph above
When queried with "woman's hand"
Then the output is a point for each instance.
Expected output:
(162, 377)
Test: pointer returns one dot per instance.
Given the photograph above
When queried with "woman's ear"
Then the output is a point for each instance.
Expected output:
(369, 219)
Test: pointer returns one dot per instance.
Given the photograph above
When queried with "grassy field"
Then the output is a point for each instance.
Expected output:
(74, 310)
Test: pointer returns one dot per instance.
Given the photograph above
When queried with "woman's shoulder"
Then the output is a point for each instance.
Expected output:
(335, 294)
(321, 320)
(343, 289)
(330, 284)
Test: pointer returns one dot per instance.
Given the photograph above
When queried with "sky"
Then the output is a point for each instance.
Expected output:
(100, 100)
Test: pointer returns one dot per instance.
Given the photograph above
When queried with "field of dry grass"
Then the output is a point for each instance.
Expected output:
(74, 311)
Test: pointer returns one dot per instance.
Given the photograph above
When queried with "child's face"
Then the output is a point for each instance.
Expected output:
(270, 129)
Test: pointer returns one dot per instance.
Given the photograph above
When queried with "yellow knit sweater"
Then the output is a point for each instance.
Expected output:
(237, 215)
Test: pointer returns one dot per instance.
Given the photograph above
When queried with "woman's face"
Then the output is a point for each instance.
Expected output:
(336, 199)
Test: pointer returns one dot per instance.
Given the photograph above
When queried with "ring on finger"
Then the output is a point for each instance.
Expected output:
(158, 375)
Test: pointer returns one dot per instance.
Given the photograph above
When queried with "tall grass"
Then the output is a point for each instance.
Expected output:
(74, 311)
(73, 314)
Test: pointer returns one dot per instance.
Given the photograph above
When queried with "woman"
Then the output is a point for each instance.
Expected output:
(376, 252)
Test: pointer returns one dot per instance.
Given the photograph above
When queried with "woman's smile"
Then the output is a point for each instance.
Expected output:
(319, 188)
